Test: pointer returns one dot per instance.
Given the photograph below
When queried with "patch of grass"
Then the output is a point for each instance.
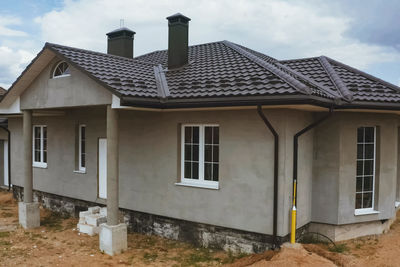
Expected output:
(7, 214)
(5, 243)
(171, 244)
(339, 248)
(52, 221)
(71, 224)
(148, 257)
(201, 255)
(4, 234)
(147, 243)
(313, 238)
(32, 236)
(231, 257)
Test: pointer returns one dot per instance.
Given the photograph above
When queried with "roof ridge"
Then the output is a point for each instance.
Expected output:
(270, 67)
(296, 59)
(308, 79)
(47, 44)
(335, 78)
(298, 74)
(166, 50)
(369, 76)
(272, 59)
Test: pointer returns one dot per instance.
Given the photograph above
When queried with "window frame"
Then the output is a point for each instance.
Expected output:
(53, 76)
(41, 163)
(371, 210)
(80, 167)
(198, 182)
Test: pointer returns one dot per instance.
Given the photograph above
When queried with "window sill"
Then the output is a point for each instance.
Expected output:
(39, 165)
(79, 171)
(61, 76)
(365, 212)
(206, 186)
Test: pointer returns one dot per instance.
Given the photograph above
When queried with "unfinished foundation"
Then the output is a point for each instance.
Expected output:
(198, 234)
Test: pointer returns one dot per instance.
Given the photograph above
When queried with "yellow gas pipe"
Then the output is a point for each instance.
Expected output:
(293, 232)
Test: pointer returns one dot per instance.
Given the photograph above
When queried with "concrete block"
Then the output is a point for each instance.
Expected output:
(113, 238)
(83, 214)
(96, 219)
(29, 215)
(88, 229)
(94, 210)
(82, 220)
(103, 211)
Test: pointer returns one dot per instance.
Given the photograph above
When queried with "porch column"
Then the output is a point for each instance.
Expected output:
(28, 139)
(28, 211)
(112, 166)
(113, 235)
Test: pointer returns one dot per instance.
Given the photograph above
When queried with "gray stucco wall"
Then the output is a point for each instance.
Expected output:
(294, 121)
(74, 90)
(149, 165)
(59, 177)
(325, 191)
(335, 168)
(2, 162)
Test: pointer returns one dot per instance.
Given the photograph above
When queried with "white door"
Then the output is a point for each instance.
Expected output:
(102, 168)
(5, 162)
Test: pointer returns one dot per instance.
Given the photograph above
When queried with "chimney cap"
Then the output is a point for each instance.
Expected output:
(178, 17)
(123, 31)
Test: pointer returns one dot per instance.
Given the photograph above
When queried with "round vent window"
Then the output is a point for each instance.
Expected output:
(62, 69)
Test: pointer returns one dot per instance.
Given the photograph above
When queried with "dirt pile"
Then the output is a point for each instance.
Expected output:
(295, 257)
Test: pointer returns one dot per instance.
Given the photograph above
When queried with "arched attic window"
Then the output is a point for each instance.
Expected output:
(61, 70)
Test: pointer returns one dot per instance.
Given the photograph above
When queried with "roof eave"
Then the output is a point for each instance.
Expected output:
(224, 101)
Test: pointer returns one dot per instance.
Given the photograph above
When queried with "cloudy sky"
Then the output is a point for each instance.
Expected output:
(361, 33)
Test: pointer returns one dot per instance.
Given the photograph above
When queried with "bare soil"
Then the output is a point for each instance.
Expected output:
(58, 243)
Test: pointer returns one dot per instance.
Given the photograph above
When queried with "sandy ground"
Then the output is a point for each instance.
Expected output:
(57, 243)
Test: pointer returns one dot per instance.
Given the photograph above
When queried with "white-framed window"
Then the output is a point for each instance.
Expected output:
(200, 155)
(40, 146)
(82, 148)
(365, 174)
(61, 70)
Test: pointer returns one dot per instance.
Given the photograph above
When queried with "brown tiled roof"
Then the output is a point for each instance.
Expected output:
(216, 70)
(227, 69)
(125, 76)
(227, 72)
(347, 81)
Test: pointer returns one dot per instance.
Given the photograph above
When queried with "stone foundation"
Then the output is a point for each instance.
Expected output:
(199, 234)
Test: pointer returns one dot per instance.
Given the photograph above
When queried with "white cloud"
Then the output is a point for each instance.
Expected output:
(282, 29)
(5, 85)
(12, 63)
(279, 28)
(5, 22)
